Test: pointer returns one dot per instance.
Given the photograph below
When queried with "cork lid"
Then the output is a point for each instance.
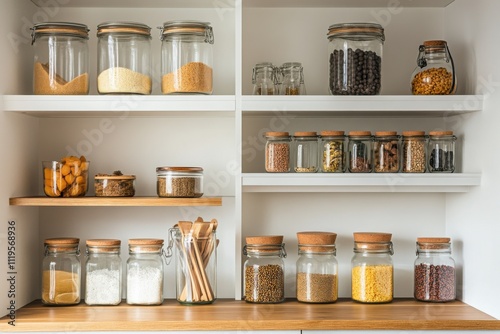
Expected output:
(62, 241)
(103, 242)
(413, 133)
(433, 242)
(359, 133)
(145, 242)
(265, 240)
(386, 133)
(179, 169)
(316, 241)
(277, 134)
(373, 241)
(435, 43)
(440, 133)
(331, 133)
(305, 134)
(372, 237)
(114, 177)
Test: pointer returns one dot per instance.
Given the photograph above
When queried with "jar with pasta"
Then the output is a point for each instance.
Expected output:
(332, 151)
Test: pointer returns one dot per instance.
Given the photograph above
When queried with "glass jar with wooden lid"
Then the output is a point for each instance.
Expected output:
(441, 152)
(305, 152)
(386, 152)
(332, 151)
(414, 152)
(114, 185)
(277, 156)
(360, 152)
(179, 181)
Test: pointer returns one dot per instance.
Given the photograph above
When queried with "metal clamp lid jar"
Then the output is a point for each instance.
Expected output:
(179, 182)
(61, 60)
(414, 152)
(441, 151)
(265, 79)
(386, 152)
(187, 57)
(277, 159)
(360, 151)
(291, 79)
(305, 147)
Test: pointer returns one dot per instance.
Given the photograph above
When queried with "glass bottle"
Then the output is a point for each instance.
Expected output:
(317, 272)
(277, 159)
(61, 277)
(292, 79)
(386, 152)
(103, 284)
(305, 148)
(414, 152)
(264, 79)
(372, 268)
(61, 61)
(441, 152)
(264, 270)
(360, 151)
(332, 146)
(434, 270)
(187, 57)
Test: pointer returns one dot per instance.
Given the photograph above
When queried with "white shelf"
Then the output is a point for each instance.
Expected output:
(141, 3)
(351, 182)
(344, 3)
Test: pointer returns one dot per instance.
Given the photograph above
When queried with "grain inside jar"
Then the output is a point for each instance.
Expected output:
(179, 182)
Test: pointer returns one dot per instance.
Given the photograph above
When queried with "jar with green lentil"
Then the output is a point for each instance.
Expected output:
(360, 152)
(414, 152)
(305, 152)
(372, 268)
(277, 159)
(332, 151)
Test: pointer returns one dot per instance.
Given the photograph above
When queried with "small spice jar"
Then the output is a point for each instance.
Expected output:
(435, 71)
(414, 152)
(355, 53)
(434, 270)
(264, 79)
(332, 147)
(317, 268)
(305, 152)
(372, 268)
(264, 269)
(441, 150)
(114, 185)
(103, 284)
(145, 272)
(360, 151)
(179, 182)
(124, 58)
(386, 152)
(187, 57)
(277, 152)
(61, 61)
(291, 79)
(61, 277)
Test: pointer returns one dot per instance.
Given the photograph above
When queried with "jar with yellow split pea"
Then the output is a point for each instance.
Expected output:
(372, 268)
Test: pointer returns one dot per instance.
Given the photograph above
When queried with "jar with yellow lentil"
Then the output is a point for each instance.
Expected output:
(372, 268)
(414, 152)
(332, 151)
(317, 268)
(277, 159)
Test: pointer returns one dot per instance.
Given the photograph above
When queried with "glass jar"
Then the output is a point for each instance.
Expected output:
(264, 269)
(414, 152)
(360, 151)
(145, 272)
(103, 272)
(332, 151)
(68, 178)
(441, 151)
(187, 57)
(305, 148)
(124, 58)
(179, 182)
(61, 61)
(435, 71)
(355, 51)
(291, 79)
(372, 268)
(277, 152)
(264, 79)
(434, 270)
(386, 152)
(61, 272)
(114, 185)
(317, 268)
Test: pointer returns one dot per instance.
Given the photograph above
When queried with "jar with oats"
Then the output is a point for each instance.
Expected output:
(386, 152)
(305, 152)
(277, 156)
(332, 151)
(372, 268)
(414, 152)
(360, 152)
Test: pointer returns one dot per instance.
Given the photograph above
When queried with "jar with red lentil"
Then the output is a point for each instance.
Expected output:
(305, 152)
(332, 151)
(441, 150)
(277, 159)
(414, 152)
(386, 152)
(360, 152)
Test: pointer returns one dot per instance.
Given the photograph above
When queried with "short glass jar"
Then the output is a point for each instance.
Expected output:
(277, 158)
(434, 271)
(68, 178)
(360, 151)
(355, 53)
(103, 284)
(115, 185)
(441, 150)
(332, 147)
(124, 58)
(372, 268)
(264, 79)
(291, 79)
(145, 272)
(414, 152)
(264, 270)
(61, 278)
(187, 57)
(179, 182)
(386, 152)
(317, 268)
(305, 152)
(61, 61)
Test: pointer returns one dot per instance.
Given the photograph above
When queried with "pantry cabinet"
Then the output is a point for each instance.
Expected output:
(223, 133)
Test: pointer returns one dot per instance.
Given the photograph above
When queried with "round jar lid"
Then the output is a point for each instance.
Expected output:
(316, 241)
(114, 177)
(196, 28)
(413, 133)
(180, 169)
(440, 133)
(331, 133)
(291, 64)
(123, 27)
(103, 242)
(372, 237)
(433, 242)
(60, 28)
(305, 134)
(277, 134)
(265, 240)
(366, 30)
(360, 133)
(62, 241)
(386, 133)
(145, 242)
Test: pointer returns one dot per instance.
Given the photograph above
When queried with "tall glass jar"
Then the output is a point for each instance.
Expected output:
(372, 268)
(145, 272)
(435, 71)
(291, 79)
(441, 152)
(124, 58)
(355, 52)
(317, 268)
(61, 277)
(414, 152)
(264, 269)
(264, 79)
(61, 61)
(103, 284)
(360, 152)
(305, 152)
(187, 57)
(434, 270)
(332, 146)
(277, 159)
(386, 152)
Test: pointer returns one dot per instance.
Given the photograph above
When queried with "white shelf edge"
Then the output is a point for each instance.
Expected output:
(139, 3)
(343, 3)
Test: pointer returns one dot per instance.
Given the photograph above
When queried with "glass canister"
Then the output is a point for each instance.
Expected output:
(317, 268)
(264, 79)
(145, 272)
(332, 146)
(305, 148)
(124, 58)
(277, 152)
(103, 284)
(372, 268)
(435, 71)
(291, 79)
(355, 54)
(360, 151)
(441, 151)
(61, 61)
(434, 270)
(414, 152)
(187, 57)
(264, 269)
(61, 277)
(179, 182)
(386, 152)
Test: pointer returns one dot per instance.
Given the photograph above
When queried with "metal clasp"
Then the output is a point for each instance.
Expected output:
(168, 254)
(209, 35)
(421, 61)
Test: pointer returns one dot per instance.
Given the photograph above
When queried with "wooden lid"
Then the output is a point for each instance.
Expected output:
(62, 241)
(103, 242)
(413, 133)
(433, 240)
(114, 177)
(386, 133)
(435, 43)
(145, 242)
(432, 243)
(440, 133)
(265, 240)
(372, 237)
(305, 134)
(330, 133)
(179, 169)
(277, 134)
(360, 133)
(316, 241)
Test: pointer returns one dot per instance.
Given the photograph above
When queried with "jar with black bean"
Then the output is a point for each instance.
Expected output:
(332, 151)
(355, 58)
(305, 150)
(360, 152)
(277, 152)
(441, 151)
(386, 152)
(414, 152)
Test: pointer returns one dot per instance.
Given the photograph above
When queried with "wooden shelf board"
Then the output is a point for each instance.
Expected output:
(401, 314)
